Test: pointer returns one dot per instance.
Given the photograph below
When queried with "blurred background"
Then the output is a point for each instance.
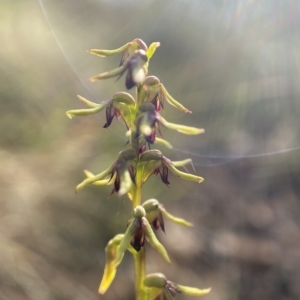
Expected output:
(234, 63)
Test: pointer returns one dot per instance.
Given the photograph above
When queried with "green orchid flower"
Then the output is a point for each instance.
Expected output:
(155, 213)
(134, 62)
(152, 90)
(159, 288)
(155, 163)
(120, 105)
(121, 172)
(149, 120)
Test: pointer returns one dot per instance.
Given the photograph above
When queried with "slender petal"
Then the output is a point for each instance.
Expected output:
(95, 108)
(180, 174)
(181, 128)
(191, 291)
(152, 49)
(91, 180)
(109, 74)
(110, 269)
(174, 219)
(153, 241)
(104, 53)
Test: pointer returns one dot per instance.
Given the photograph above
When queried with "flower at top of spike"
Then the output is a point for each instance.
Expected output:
(134, 61)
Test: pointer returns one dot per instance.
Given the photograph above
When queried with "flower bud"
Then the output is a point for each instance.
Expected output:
(157, 280)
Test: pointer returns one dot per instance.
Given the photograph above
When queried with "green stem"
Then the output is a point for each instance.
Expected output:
(139, 268)
(140, 257)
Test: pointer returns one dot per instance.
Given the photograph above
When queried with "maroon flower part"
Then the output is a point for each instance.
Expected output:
(118, 171)
(147, 122)
(138, 239)
(158, 222)
(163, 171)
(111, 112)
(135, 67)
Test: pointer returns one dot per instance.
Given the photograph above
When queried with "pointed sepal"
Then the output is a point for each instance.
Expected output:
(153, 241)
(110, 266)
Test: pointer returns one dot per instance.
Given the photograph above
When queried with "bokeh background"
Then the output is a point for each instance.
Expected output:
(234, 63)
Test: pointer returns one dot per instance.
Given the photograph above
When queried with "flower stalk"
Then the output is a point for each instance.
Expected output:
(135, 164)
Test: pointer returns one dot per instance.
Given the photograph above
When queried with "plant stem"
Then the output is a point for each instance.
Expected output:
(139, 268)
(140, 257)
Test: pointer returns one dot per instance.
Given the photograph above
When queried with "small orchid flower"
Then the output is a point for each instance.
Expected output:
(159, 288)
(155, 163)
(121, 172)
(136, 67)
(134, 61)
(128, 49)
(120, 105)
(148, 120)
(137, 231)
(155, 213)
(152, 90)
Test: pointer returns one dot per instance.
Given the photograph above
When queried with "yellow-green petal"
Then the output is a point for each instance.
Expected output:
(181, 128)
(109, 74)
(174, 219)
(99, 182)
(104, 53)
(181, 163)
(95, 108)
(87, 102)
(153, 241)
(191, 291)
(91, 180)
(152, 49)
(110, 269)
(125, 242)
(172, 101)
(186, 176)
(83, 112)
(163, 142)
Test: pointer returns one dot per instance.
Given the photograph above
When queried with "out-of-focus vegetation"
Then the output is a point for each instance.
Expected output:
(235, 64)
